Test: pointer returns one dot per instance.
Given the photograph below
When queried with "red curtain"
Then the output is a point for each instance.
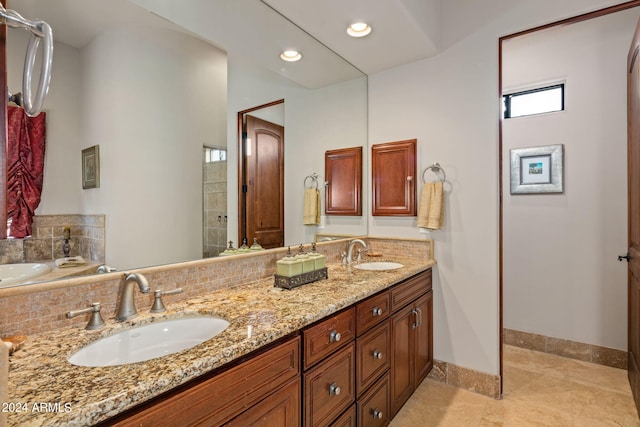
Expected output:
(25, 168)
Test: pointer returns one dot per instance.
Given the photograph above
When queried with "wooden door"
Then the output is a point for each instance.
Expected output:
(343, 172)
(264, 183)
(393, 170)
(633, 127)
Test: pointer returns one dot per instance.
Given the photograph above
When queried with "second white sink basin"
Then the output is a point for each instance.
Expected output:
(149, 341)
(379, 265)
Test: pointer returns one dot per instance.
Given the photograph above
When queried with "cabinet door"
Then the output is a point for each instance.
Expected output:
(343, 173)
(402, 378)
(281, 409)
(394, 178)
(423, 349)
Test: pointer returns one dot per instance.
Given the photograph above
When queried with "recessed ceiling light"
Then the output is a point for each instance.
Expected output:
(359, 29)
(291, 56)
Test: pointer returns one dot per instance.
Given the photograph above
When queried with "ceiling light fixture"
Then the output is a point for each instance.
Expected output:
(291, 56)
(359, 29)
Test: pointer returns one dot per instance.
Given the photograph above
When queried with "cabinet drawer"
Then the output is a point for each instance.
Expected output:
(281, 408)
(324, 338)
(348, 419)
(216, 400)
(371, 311)
(374, 406)
(410, 289)
(373, 355)
(329, 388)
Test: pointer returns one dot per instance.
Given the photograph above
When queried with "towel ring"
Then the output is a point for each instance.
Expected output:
(435, 168)
(314, 182)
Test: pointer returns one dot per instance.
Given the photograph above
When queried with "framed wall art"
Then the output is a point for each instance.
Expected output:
(536, 170)
(91, 167)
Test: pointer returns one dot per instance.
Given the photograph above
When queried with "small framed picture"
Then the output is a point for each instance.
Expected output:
(537, 170)
(91, 167)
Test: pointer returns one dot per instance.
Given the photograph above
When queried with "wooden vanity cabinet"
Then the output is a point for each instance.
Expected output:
(411, 338)
(264, 387)
(393, 169)
(357, 368)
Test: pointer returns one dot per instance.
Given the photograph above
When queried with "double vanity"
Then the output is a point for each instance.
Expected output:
(348, 350)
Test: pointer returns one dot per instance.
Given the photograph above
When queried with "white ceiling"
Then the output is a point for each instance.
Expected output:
(403, 30)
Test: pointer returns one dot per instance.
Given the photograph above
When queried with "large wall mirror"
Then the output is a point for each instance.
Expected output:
(155, 84)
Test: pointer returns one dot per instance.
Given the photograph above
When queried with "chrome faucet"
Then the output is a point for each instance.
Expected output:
(352, 243)
(126, 304)
(104, 268)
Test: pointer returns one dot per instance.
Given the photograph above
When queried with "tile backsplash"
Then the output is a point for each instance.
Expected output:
(40, 308)
(87, 239)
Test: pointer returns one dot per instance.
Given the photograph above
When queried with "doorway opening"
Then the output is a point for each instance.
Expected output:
(529, 206)
(261, 175)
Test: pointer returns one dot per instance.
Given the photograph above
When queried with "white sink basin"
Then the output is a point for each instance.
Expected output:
(379, 265)
(13, 274)
(149, 341)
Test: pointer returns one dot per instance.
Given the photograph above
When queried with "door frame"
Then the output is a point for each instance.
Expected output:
(242, 205)
(572, 20)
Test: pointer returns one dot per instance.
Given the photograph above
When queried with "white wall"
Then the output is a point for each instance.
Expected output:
(450, 104)
(151, 100)
(565, 246)
(60, 193)
(315, 121)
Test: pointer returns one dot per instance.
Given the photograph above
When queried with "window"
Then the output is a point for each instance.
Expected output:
(535, 101)
(214, 154)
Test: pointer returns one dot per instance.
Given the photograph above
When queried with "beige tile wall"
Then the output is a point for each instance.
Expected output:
(87, 239)
(566, 348)
(44, 307)
(215, 208)
(468, 379)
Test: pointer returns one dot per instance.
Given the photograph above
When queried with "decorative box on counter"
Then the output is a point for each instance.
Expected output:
(300, 279)
(293, 271)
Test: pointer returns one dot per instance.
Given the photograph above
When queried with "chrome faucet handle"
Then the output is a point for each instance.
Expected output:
(360, 251)
(158, 306)
(104, 268)
(95, 320)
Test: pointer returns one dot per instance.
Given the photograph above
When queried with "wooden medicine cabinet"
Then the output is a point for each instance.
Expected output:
(343, 173)
(393, 169)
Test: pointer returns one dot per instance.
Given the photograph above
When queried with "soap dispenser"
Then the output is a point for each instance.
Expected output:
(307, 262)
(256, 246)
(229, 251)
(319, 260)
(288, 266)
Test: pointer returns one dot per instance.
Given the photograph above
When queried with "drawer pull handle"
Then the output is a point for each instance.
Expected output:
(377, 414)
(334, 389)
(377, 311)
(377, 354)
(334, 336)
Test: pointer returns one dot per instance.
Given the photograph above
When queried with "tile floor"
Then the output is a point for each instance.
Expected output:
(539, 390)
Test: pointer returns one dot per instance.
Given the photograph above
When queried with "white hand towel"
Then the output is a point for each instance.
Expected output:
(431, 209)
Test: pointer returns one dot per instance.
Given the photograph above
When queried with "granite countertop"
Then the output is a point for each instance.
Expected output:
(45, 389)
